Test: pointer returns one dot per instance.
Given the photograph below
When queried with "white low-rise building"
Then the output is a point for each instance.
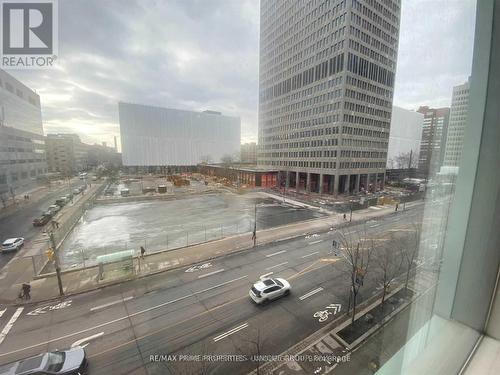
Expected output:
(155, 136)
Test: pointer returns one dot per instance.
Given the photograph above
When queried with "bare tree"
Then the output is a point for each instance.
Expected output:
(405, 160)
(389, 261)
(227, 161)
(197, 365)
(206, 159)
(357, 252)
(411, 246)
(253, 349)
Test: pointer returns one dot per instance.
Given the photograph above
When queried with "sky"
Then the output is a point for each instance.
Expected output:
(204, 54)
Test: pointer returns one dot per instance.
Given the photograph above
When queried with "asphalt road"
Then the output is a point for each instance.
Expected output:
(203, 312)
(19, 223)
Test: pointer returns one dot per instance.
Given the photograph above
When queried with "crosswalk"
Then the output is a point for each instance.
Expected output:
(8, 326)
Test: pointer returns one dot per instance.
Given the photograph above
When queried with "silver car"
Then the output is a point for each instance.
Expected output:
(268, 289)
(12, 244)
(71, 361)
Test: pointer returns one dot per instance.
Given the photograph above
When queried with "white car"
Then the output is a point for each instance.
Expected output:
(12, 244)
(268, 289)
(54, 208)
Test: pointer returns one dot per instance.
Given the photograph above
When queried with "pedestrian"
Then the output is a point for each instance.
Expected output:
(143, 251)
(26, 291)
(345, 217)
(397, 206)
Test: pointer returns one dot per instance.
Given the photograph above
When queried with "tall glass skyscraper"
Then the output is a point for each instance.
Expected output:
(326, 88)
(22, 146)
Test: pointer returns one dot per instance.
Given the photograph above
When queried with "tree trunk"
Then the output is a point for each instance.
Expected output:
(353, 308)
(383, 294)
(407, 278)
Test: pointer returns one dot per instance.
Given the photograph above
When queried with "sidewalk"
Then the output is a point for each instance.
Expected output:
(76, 281)
(326, 341)
(21, 267)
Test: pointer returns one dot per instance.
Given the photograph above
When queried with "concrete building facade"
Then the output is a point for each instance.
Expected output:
(22, 146)
(248, 154)
(326, 88)
(404, 138)
(434, 133)
(456, 127)
(157, 137)
(66, 154)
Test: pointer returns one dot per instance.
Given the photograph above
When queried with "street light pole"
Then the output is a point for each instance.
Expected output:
(254, 235)
(56, 261)
(350, 216)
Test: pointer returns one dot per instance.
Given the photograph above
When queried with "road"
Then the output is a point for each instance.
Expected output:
(206, 311)
(19, 223)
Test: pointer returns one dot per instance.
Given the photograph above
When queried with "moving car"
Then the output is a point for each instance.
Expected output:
(42, 220)
(268, 289)
(71, 361)
(12, 244)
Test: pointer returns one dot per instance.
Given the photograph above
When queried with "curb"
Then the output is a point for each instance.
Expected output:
(177, 267)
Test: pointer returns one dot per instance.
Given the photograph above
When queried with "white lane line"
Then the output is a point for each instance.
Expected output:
(110, 304)
(2, 312)
(265, 275)
(374, 225)
(211, 273)
(308, 255)
(86, 340)
(273, 254)
(309, 294)
(10, 323)
(277, 265)
(122, 318)
(315, 242)
(230, 332)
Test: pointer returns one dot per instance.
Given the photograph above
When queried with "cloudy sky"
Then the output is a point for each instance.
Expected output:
(203, 54)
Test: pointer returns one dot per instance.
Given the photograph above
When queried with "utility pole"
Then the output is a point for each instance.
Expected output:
(56, 261)
(350, 216)
(254, 234)
(69, 188)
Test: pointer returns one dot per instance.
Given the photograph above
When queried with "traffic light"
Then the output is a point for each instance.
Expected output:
(50, 254)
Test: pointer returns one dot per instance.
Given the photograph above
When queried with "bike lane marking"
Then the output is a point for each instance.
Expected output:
(311, 293)
(111, 303)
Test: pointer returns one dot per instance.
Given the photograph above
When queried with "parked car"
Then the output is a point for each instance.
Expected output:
(42, 220)
(76, 191)
(61, 201)
(12, 244)
(268, 289)
(71, 361)
(54, 208)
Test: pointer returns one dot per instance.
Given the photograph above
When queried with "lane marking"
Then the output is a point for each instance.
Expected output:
(277, 265)
(86, 339)
(311, 293)
(211, 273)
(315, 242)
(273, 254)
(10, 323)
(2, 312)
(308, 255)
(265, 275)
(298, 274)
(374, 225)
(122, 318)
(350, 232)
(110, 303)
(230, 332)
